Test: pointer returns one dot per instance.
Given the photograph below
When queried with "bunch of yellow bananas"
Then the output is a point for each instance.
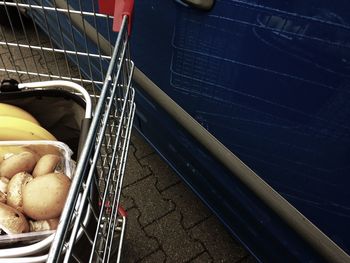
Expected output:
(18, 125)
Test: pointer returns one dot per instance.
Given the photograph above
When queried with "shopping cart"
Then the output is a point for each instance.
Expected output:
(92, 223)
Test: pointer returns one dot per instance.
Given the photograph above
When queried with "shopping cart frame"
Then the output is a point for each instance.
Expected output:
(58, 243)
(72, 222)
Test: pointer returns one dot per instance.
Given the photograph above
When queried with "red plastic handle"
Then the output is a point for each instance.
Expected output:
(121, 210)
(123, 8)
(106, 7)
(119, 9)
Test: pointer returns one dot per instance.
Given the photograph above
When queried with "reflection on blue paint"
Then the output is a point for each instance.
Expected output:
(270, 79)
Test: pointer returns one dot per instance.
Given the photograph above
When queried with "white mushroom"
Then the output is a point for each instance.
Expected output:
(44, 196)
(46, 164)
(14, 190)
(22, 162)
(42, 225)
(3, 189)
(12, 221)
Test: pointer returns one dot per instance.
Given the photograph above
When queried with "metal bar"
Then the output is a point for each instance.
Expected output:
(50, 38)
(9, 50)
(122, 233)
(16, 39)
(48, 8)
(60, 30)
(26, 36)
(39, 41)
(62, 83)
(116, 194)
(67, 213)
(117, 190)
(57, 50)
(118, 43)
(85, 42)
(76, 201)
(115, 204)
(88, 29)
(98, 41)
(50, 76)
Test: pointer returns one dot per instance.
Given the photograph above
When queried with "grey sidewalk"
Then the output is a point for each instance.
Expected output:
(166, 221)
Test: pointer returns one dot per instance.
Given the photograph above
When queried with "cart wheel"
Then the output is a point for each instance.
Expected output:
(11, 13)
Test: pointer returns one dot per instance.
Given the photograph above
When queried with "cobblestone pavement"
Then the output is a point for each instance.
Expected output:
(166, 221)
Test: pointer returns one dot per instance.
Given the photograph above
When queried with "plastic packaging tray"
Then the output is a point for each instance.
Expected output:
(66, 165)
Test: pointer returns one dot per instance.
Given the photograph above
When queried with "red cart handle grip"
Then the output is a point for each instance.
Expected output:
(122, 8)
(121, 210)
(119, 9)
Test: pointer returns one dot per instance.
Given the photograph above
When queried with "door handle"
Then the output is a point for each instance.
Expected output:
(200, 4)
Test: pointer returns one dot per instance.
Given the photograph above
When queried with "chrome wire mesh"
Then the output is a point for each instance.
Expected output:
(49, 40)
(104, 162)
(70, 51)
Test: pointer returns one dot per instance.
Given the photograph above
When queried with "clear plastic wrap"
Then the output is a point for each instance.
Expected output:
(27, 157)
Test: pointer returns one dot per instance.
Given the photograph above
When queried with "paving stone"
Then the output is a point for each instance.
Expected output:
(165, 176)
(136, 242)
(148, 200)
(204, 257)
(248, 259)
(134, 171)
(132, 148)
(157, 256)
(29, 63)
(127, 202)
(217, 241)
(175, 240)
(191, 208)
(143, 148)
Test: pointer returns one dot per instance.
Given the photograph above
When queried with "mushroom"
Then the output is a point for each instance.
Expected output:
(44, 196)
(22, 162)
(14, 190)
(3, 189)
(2, 197)
(12, 221)
(42, 225)
(8, 150)
(46, 164)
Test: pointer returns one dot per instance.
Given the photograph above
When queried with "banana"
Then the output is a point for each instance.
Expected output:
(16, 135)
(12, 128)
(14, 111)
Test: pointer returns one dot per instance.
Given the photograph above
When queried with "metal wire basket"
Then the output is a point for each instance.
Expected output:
(92, 223)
